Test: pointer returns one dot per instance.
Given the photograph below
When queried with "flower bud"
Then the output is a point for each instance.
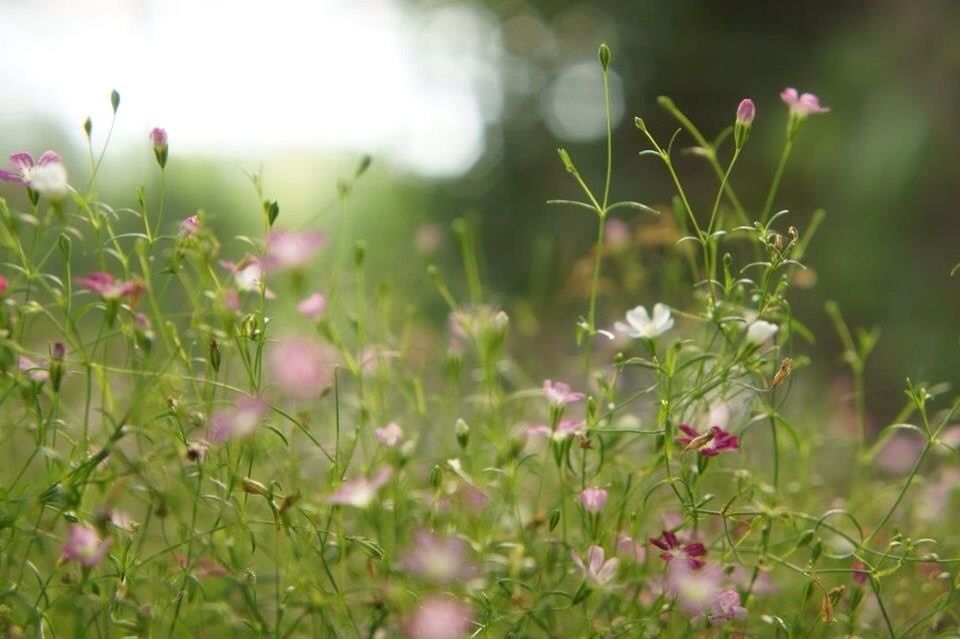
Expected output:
(57, 352)
(604, 55)
(216, 354)
(746, 112)
(554, 518)
(158, 137)
(593, 499)
(463, 433)
(436, 477)
(253, 487)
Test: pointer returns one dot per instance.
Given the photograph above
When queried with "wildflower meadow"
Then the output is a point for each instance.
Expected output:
(259, 435)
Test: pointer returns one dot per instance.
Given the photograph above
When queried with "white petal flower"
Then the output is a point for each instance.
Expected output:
(760, 331)
(640, 324)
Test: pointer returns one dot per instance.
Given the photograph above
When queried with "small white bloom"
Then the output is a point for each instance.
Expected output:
(50, 180)
(760, 331)
(639, 323)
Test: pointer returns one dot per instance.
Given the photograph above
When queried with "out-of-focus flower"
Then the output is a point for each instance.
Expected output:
(859, 572)
(32, 369)
(689, 554)
(616, 235)
(161, 145)
(714, 442)
(429, 237)
(236, 421)
(84, 545)
(900, 452)
(593, 499)
(3, 285)
(760, 331)
(313, 306)
(631, 548)
(802, 104)
(596, 570)
(438, 559)
(291, 249)
(762, 584)
(190, 225)
(48, 176)
(196, 451)
(440, 618)
(360, 492)
(121, 520)
(301, 367)
(559, 393)
(565, 429)
(694, 589)
(640, 324)
(719, 414)
(746, 112)
(725, 606)
(110, 288)
(390, 435)
(248, 274)
(203, 567)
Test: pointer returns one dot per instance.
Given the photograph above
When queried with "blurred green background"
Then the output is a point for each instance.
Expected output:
(463, 104)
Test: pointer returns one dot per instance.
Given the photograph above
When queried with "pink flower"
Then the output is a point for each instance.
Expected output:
(440, 618)
(695, 590)
(714, 442)
(158, 137)
(725, 606)
(189, 226)
(859, 572)
(312, 306)
(803, 104)
(616, 234)
(3, 285)
(301, 367)
(236, 421)
(746, 112)
(47, 177)
(690, 553)
(564, 429)
(248, 274)
(84, 545)
(633, 549)
(438, 559)
(34, 370)
(289, 249)
(390, 435)
(559, 393)
(429, 237)
(109, 288)
(593, 499)
(596, 570)
(360, 492)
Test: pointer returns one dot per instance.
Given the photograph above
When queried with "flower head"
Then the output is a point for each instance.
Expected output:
(803, 104)
(110, 288)
(559, 393)
(760, 331)
(711, 444)
(236, 421)
(32, 369)
(161, 146)
(189, 226)
(596, 570)
(84, 545)
(593, 499)
(301, 367)
(248, 274)
(439, 618)
(291, 250)
(48, 176)
(672, 548)
(640, 324)
(694, 589)
(312, 306)
(390, 435)
(564, 429)
(631, 548)
(360, 492)
(746, 112)
(725, 606)
(438, 559)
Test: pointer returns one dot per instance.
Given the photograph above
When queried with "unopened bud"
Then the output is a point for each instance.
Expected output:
(161, 145)
(604, 55)
(436, 477)
(746, 112)
(216, 354)
(253, 487)
(463, 433)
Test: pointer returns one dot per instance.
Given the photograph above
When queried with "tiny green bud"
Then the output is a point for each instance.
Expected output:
(604, 55)
(639, 123)
(115, 100)
(436, 477)
(272, 209)
(554, 518)
(88, 126)
(216, 354)
(365, 161)
(567, 161)
(66, 245)
(463, 433)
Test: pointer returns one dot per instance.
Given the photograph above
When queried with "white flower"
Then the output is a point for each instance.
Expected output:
(47, 176)
(760, 331)
(639, 323)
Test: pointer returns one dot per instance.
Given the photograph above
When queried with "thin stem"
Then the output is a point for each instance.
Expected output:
(775, 185)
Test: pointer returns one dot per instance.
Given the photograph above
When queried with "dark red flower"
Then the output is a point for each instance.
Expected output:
(673, 549)
(714, 442)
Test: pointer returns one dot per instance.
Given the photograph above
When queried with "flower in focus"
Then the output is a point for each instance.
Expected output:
(559, 393)
(84, 545)
(390, 435)
(48, 176)
(289, 249)
(760, 331)
(593, 499)
(312, 306)
(596, 570)
(711, 444)
(640, 324)
(803, 104)
(237, 421)
(360, 492)
(190, 225)
(248, 274)
(746, 112)
(301, 367)
(439, 618)
(438, 559)
(110, 288)
(672, 548)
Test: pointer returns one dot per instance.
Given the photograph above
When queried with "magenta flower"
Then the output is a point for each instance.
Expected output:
(236, 421)
(672, 548)
(360, 492)
(84, 545)
(559, 393)
(390, 435)
(596, 570)
(593, 499)
(746, 112)
(803, 104)
(291, 250)
(158, 137)
(189, 226)
(313, 306)
(438, 559)
(110, 288)
(725, 606)
(48, 176)
(440, 618)
(3, 285)
(714, 442)
(301, 367)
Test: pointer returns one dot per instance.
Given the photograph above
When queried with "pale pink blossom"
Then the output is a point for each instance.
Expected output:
(34, 370)
(301, 367)
(291, 249)
(429, 237)
(746, 112)
(248, 275)
(84, 545)
(313, 306)
(802, 104)
(566, 428)
(616, 234)
(390, 435)
(440, 618)
(110, 288)
(595, 569)
(159, 138)
(631, 548)
(559, 393)
(725, 606)
(694, 588)
(237, 421)
(593, 499)
(438, 559)
(360, 492)
(189, 226)
(47, 177)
